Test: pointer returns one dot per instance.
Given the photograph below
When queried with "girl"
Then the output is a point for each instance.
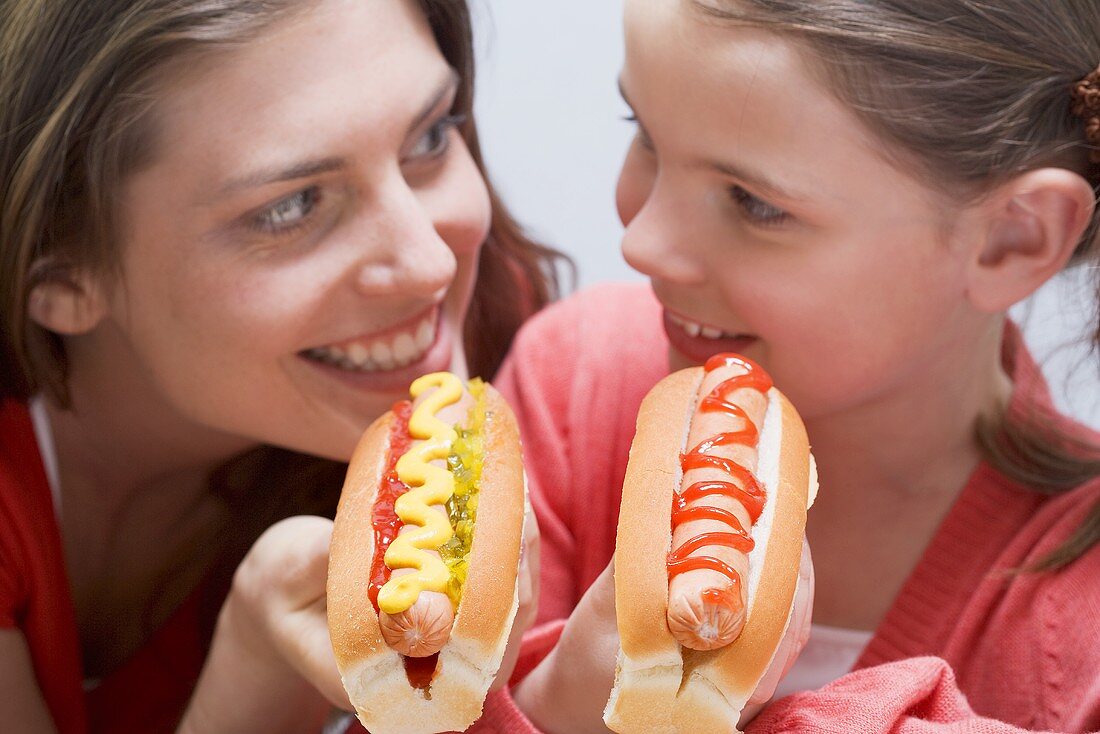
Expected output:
(852, 194)
(225, 225)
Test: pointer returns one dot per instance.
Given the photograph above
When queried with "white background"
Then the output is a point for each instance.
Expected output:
(553, 136)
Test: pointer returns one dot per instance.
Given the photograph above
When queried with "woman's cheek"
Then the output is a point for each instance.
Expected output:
(465, 209)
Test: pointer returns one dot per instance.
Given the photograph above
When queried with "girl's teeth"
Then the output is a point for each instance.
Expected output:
(694, 329)
(710, 333)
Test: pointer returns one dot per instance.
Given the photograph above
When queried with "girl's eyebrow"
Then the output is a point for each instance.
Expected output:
(622, 93)
(305, 169)
(756, 179)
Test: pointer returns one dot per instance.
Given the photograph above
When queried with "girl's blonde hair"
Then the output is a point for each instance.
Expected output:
(965, 94)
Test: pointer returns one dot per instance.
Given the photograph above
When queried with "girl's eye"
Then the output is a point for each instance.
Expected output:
(435, 142)
(289, 213)
(756, 210)
(643, 136)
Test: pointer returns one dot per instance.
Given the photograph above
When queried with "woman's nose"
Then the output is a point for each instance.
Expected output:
(414, 258)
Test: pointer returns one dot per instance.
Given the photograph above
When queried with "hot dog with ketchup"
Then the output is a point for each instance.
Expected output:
(425, 552)
(708, 547)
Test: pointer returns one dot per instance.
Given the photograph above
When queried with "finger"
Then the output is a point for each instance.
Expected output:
(306, 645)
(289, 561)
(797, 633)
(532, 552)
(528, 600)
(596, 611)
(803, 607)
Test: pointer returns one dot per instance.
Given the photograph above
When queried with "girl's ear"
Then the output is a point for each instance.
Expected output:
(70, 305)
(1033, 225)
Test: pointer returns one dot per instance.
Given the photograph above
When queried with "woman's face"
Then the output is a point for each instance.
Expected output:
(769, 223)
(304, 242)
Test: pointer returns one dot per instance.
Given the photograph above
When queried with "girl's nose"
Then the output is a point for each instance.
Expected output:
(658, 241)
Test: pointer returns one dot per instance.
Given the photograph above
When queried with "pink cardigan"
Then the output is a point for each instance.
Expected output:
(963, 648)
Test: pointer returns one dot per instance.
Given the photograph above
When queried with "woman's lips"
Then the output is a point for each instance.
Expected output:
(698, 342)
(385, 351)
(380, 363)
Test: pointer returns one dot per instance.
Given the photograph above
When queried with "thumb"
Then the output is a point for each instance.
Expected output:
(307, 647)
(795, 636)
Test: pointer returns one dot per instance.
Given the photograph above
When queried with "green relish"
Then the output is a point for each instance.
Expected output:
(465, 462)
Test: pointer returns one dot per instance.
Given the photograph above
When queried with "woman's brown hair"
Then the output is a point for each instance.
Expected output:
(78, 81)
(966, 94)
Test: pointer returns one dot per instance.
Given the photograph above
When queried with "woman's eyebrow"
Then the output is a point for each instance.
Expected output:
(305, 169)
(444, 90)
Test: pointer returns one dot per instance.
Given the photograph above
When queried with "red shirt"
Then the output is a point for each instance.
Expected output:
(964, 647)
(146, 694)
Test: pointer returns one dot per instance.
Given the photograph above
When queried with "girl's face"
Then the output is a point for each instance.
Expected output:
(768, 222)
(304, 241)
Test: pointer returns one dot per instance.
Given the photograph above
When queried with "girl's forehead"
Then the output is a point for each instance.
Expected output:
(713, 95)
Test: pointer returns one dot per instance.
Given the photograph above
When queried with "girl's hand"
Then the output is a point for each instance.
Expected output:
(795, 638)
(568, 690)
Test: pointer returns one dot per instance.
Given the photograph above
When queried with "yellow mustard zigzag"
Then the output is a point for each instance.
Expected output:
(428, 485)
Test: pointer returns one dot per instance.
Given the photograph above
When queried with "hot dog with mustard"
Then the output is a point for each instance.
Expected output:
(423, 567)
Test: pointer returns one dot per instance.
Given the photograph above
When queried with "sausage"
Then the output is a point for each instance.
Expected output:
(715, 506)
(424, 628)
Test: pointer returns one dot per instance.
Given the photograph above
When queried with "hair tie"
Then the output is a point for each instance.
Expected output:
(1086, 105)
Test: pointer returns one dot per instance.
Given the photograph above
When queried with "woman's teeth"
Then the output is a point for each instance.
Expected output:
(694, 329)
(383, 353)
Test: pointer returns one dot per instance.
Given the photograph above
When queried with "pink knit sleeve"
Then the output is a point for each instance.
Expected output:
(538, 391)
(912, 696)
(535, 392)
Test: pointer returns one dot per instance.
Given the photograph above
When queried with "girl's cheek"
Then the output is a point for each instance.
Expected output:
(633, 189)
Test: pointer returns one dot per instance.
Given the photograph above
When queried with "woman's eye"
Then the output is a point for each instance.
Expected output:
(289, 213)
(756, 210)
(438, 138)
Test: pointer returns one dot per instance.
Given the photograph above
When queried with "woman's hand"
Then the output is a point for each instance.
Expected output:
(568, 690)
(271, 666)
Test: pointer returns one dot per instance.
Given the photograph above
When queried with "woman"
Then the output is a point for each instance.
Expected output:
(227, 225)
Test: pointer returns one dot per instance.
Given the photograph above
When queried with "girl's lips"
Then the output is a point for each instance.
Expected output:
(698, 349)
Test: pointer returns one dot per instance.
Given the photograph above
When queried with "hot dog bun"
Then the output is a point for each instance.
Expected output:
(660, 686)
(374, 674)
